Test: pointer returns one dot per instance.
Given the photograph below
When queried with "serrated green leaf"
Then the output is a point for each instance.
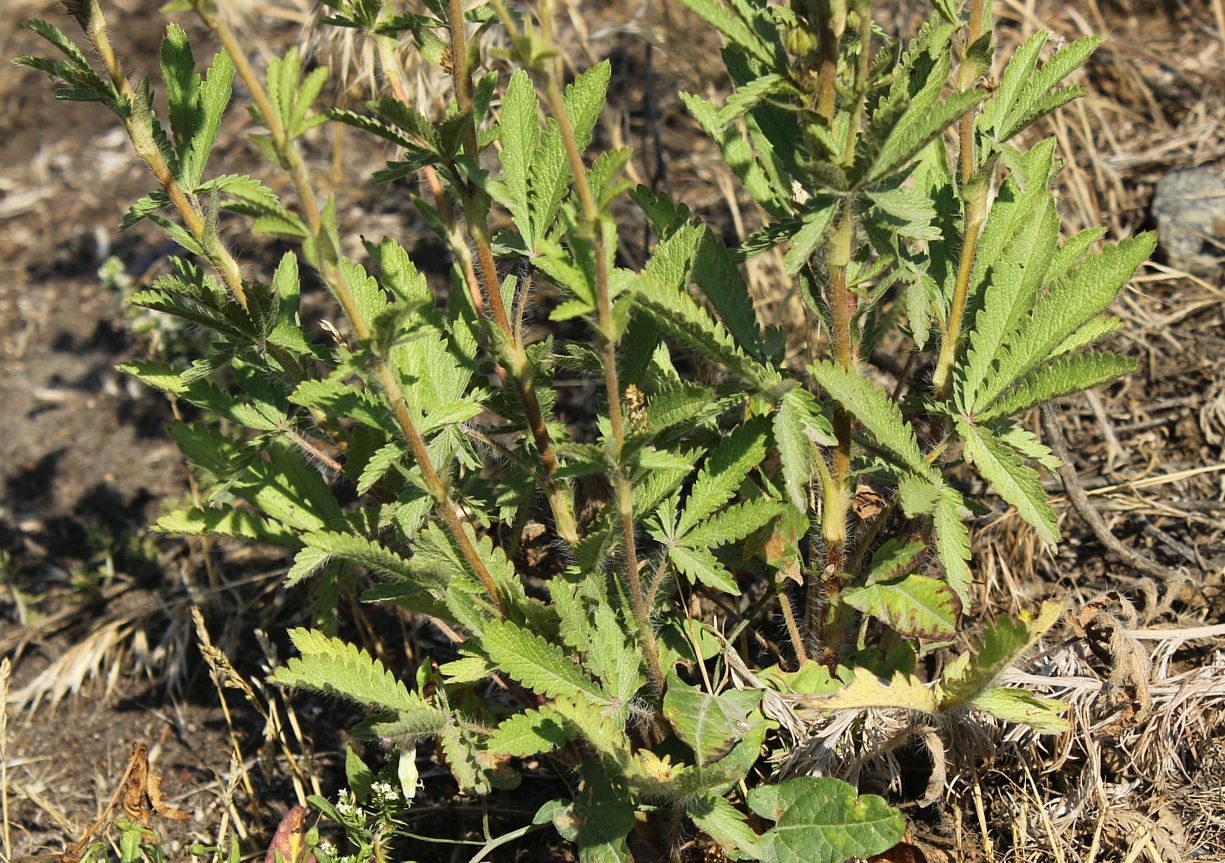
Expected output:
(736, 30)
(732, 524)
(1002, 643)
(698, 564)
(540, 666)
(953, 542)
(1014, 481)
(812, 230)
(879, 414)
(531, 732)
(796, 414)
(330, 665)
(518, 132)
(362, 551)
(917, 606)
(724, 471)
(1085, 293)
(1061, 377)
(228, 522)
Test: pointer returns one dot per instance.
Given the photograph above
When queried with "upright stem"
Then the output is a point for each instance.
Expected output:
(194, 219)
(335, 278)
(516, 358)
(974, 189)
(822, 606)
(592, 227)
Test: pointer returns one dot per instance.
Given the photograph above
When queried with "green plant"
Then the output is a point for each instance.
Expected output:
(739, 493)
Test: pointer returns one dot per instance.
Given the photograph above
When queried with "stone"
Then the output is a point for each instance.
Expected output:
(1189, 209)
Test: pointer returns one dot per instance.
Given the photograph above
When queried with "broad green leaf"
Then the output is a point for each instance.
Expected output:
(710, 724)
(823, 820)
(894, 558)
(1097, 328)
(724, 823)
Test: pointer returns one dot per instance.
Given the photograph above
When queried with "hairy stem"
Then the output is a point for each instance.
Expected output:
(189, 210)
(334, 276)
(974, 189)
(824, 588)
(593, 228)
(476, 217)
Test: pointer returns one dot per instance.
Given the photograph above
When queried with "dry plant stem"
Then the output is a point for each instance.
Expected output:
(1084, 507)
(5, 670)
(94, 24)
(793, 628)
(519, 366)
(332, 274)
(974, 195)
(592, 226)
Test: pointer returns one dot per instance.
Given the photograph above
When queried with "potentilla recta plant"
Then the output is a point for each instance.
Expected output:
(691, 509)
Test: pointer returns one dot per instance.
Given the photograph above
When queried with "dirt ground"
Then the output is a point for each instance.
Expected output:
(95, 610)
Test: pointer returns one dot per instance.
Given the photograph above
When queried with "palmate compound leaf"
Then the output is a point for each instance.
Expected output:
(710, 724)
(823, 820)
(1069, 305)
(1014, 480)
(917, 606)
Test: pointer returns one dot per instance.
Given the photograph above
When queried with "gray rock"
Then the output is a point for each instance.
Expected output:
(1190, 211)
